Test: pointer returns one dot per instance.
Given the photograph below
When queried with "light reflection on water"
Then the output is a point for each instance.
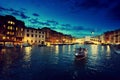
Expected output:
(27, 56)
(42, 63)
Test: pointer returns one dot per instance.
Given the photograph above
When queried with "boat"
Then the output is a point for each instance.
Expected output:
(116, 48)
(80, 53)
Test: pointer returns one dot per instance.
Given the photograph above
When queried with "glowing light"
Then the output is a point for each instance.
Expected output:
(3, 37)
(56, 49)
(94, 49)
(27, 56)
(108, 51)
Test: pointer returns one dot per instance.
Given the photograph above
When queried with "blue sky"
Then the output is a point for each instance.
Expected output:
(76, 17)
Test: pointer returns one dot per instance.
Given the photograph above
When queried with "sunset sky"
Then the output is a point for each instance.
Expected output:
(76, 17)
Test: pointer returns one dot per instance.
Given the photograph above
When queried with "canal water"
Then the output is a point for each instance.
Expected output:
(58, 63)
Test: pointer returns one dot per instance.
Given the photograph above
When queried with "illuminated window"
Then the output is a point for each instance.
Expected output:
(16, 28)
(8, 32)
(7, 37)
(3, 37)
(4, 26)
(13, 23)
(8, 21)
(21, 29)
(12, 33)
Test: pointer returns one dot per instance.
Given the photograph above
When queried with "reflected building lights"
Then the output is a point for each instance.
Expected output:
(63, 48)
(102, 48)
(108, 51)
(69, 48)
(27, 56)
(56, 49)
(94, 49)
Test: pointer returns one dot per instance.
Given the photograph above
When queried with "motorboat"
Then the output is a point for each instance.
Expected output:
(80, 53)
(116, 48)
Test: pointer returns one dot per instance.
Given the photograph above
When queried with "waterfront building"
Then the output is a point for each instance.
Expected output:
(11, 30)
(34, 36)
(102, 41)
(54, 37)
(112, 37)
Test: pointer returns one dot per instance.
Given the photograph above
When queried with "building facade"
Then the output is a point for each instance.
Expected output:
(54, 37)
(112, 37)
(11, 30)
(34, 36)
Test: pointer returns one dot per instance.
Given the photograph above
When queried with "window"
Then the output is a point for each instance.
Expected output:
(3, 37)
(21, 29)
(27, 35)
(31, 35)
(42, 36)
(10, 27)
(31, 30)
(8, 21)
(27, 30)
(35, 35)
(7, 37)
(11, 22)
(8, 32)
(16, 28)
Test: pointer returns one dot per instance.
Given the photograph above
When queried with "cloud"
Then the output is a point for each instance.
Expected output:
(23, 16)
(14, 12)
(36, 21)
(35, 14)
(3, 9)
(23, 9)
(52, 22)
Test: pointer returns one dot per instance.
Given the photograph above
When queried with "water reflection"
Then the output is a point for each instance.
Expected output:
(102, 48)
(108, 51)
(56, 49)
(94, 50)
(45, 62)
(27, 56)
(7, 57)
